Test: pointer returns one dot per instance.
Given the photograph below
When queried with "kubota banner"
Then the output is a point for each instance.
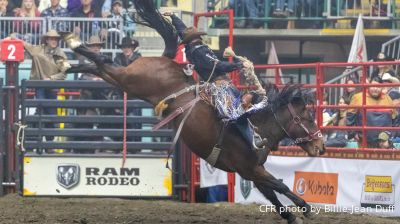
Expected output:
(332, 185)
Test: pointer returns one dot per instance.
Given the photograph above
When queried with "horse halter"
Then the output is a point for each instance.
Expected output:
(297, 121)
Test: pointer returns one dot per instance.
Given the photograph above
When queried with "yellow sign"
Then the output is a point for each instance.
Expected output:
(382, 184)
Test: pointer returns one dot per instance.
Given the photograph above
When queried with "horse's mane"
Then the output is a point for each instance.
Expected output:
(277, 99)
(153, 19)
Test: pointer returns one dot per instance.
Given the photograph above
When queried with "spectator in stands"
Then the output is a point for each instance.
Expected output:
(328, 115)
(56, 10)
(200, 54)
(119, 12)
(130, 52)
(395, 96)
(248, 9)
(385, 72)
(4, 12)
(375, 117)
(27, 29)
(350, 91)
(105, 7)
(45, 4)
(49, 62)
(87, 29)
(4, 8)
(383, 69)
(384, 141)
(338, 138)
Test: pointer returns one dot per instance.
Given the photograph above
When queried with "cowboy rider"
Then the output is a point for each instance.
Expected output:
(209, 67)
(199, 53)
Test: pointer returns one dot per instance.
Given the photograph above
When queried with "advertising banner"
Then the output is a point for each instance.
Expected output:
(60, 176)
(332, 185)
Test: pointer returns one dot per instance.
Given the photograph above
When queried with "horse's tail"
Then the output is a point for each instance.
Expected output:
(153, 19)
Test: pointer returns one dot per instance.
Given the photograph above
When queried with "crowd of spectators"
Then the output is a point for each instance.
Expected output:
(29, 28)
(289, 13)
(377, 117)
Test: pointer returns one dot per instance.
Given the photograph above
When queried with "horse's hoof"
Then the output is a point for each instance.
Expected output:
(71, 40)
(309, 215)
(296, 221)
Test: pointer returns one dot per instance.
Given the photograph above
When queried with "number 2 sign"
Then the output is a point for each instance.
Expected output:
(12, 50)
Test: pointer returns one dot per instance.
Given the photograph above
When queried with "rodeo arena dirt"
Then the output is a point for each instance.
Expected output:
(147, 113)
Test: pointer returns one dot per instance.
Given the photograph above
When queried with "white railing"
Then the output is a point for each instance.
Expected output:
(379, 9)
(110, 29)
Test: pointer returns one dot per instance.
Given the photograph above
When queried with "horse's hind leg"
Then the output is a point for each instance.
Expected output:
(97, 58)
(92, 69)
(84, 68)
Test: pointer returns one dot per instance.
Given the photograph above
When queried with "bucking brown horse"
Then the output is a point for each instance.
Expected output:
(154, 78)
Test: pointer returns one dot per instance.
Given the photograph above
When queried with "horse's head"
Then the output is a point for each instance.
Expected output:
(295, 120)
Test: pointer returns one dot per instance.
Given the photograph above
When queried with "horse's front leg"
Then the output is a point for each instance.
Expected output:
(280, 187)
(282, 211)
(267, 184)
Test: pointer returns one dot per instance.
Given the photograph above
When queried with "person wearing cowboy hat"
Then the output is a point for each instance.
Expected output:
(200, 54)
(94, 44)
(130, 52)
(49, 62)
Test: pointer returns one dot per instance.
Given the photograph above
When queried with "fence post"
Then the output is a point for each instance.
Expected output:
(2, 148)
(12, 53)
(11, 117)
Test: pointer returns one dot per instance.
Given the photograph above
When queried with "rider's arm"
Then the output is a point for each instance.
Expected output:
(225, 66)
(208, 58)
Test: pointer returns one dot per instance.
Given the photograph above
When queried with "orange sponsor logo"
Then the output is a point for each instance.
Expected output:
(316, 187)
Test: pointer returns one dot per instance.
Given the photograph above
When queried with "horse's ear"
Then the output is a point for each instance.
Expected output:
(309, 96)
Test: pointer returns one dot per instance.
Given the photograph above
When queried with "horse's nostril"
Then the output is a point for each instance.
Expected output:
(322, 151)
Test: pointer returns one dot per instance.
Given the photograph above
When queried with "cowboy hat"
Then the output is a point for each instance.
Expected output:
(94, 41)
(384, 136)
(117, 2)
(190, 34)
(128, 42)
(51, 33)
